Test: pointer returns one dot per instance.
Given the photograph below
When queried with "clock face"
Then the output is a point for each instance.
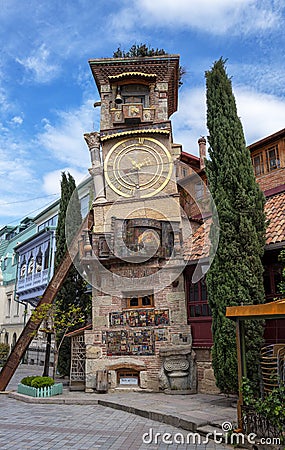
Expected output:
(138, 167)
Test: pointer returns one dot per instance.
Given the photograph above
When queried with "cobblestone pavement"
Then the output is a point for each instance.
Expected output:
(26, 426)
(32, 426)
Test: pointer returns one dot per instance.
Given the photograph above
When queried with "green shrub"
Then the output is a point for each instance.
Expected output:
(27, 381)
(39, 382)
(272, 406)
(4, 351)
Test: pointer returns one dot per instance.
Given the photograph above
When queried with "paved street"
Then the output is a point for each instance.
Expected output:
(81, 427)
(32, 426)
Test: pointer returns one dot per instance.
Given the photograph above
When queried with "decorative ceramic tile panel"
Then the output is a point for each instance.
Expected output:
(129, 342)
(140, 318)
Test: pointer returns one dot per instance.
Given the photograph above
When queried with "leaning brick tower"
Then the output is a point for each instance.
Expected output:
(132, 253)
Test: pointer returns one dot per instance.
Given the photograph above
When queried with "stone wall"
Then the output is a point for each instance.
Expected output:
(205, 373)
(170, 333)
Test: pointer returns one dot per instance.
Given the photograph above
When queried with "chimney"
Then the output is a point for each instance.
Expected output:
(202, 151)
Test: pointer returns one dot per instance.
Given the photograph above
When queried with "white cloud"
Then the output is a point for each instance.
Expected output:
(51, 180)
(261, 115)
(65, 139)
(218, 17)
(4, 103)
(40, 65)
(32, 168)
(19, 185)
(268, 76)
(17, 120)
(189, 122)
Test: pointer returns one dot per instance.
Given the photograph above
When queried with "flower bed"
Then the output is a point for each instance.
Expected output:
(47, 391)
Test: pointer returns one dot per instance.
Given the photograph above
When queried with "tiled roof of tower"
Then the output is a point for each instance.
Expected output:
(197, 246)
(275, 213)
(166, 69)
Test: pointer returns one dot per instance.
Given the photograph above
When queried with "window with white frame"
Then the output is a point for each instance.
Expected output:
(9, 304)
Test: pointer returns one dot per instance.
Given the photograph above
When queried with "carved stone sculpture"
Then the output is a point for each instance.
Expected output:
(178, 374)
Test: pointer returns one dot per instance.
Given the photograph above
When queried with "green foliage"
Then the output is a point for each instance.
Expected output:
(282, 260)
(236, 274)
(4, 352)
(67, 226)
(37, 381)
(40, 382)
(72, 293)
(138, 50)
(143, 50)
(27, 381)
(55, 321)
(59, 323)
(272, 406)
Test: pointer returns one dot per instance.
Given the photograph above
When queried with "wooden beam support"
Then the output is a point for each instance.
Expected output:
(272, 310)
(239, 358)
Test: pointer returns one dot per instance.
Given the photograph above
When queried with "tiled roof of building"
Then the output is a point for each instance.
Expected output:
(275, 213)
(197, 246)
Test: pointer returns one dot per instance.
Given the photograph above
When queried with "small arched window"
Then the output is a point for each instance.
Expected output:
(6, 338)
(39, 261)
(31, 265)
(23, 269)
(46, 262)
(14, 340)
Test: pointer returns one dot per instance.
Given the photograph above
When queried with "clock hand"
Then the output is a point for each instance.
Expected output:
(147, 162)
(134, 163)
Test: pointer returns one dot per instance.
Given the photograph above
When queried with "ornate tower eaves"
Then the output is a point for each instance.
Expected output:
(165, 68)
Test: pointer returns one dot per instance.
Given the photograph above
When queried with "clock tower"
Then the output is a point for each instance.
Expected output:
(131, 254)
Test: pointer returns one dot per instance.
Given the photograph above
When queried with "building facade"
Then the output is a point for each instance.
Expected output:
(268, 159)
(13, 315)
(27, 264)
(133, 251)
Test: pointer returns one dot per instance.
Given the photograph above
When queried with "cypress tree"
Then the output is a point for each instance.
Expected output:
(236, 274)
(73, 290)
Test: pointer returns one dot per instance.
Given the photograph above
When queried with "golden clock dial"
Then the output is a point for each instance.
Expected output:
(138, 167)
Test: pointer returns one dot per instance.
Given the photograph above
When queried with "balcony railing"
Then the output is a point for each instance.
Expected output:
(34, 280)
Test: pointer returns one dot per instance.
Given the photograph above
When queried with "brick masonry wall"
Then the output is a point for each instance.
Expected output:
(177, 332)
(272, 179)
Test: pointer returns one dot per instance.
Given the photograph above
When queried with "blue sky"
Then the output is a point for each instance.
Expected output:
(47, 90)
